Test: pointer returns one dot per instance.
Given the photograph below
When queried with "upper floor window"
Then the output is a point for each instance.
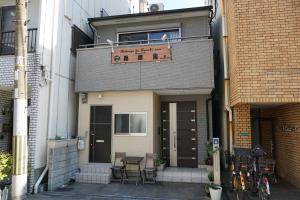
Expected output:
(8, 16)
(148, 37)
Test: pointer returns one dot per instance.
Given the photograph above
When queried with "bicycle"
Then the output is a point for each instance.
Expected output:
(259, 172)
(238, 178)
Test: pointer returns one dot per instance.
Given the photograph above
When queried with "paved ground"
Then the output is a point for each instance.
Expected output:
(117, 191)
(279, 191)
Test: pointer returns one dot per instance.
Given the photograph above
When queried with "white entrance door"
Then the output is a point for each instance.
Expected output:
(173, 134)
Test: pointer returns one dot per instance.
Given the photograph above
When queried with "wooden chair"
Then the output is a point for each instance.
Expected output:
(150, 170)
(118, 168)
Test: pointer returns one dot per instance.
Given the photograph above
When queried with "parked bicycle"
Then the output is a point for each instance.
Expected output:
(260, 171)
(239, 163)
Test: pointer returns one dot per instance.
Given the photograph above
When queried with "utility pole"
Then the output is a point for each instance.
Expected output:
(19, 177)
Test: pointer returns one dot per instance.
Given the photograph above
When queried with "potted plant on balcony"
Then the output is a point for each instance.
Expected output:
(160, 164)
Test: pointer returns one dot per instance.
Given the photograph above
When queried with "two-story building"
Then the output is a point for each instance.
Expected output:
(258, 85)
(145, 87)
(55, 29)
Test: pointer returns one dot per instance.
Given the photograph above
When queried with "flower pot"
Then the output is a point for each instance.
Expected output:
(215, 192)
(161, 167)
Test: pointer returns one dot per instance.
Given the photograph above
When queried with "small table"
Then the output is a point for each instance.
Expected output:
(134, 160)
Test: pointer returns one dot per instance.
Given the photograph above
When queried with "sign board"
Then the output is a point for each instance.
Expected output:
(216, 161)
(245, 134)
(151, 53)
(289, 128)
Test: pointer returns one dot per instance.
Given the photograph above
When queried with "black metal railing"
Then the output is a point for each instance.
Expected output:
(7, 44)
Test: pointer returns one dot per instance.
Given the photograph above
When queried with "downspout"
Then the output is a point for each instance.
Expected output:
(51, 96)
(208, 119)
(226, 74)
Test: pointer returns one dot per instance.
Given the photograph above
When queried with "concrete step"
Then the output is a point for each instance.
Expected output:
(95, 168)
(99, 178)
(183, 175)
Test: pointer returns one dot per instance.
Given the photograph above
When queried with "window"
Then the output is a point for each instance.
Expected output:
(148, 37)
(131, 123)
(155, 37)
(133, 38)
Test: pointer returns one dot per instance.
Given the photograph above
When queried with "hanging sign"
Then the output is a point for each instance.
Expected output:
(149, 53)
(289, 128)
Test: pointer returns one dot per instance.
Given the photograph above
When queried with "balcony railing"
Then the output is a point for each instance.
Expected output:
(7, 45)
(145, 42)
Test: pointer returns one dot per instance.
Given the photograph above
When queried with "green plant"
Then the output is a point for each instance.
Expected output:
(214, 186)
(159, 162)
(211, 176)
(5, 166)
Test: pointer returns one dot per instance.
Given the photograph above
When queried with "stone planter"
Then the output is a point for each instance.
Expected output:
(161, 167)
(215, 192)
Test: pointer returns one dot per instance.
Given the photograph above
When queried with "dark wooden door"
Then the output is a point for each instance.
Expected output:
(100, 134)
(187, 144)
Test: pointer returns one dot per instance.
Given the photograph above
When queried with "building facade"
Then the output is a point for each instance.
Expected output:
(144, 87)
(258, 91)
(55, 29)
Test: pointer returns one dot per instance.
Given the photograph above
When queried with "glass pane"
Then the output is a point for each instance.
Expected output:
(122, 123)
(138, 123)
(133, 38)
(8, 18)
(157, 35)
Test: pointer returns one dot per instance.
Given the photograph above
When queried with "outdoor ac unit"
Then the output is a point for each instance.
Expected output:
(156, 7)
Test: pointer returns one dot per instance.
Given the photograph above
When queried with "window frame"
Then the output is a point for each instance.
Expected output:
(148, 33)
(129, 132)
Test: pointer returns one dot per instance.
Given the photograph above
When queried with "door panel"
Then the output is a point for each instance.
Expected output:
(186, 134)
(100, 134)
(186, 144)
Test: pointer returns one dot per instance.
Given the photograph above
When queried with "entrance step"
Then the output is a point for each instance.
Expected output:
(183, 175)
(94, 173)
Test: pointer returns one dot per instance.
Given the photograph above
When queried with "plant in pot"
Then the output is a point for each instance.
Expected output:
(209, 152)
(215, 190)
(5, 170)
(212, 190)
(160, 164)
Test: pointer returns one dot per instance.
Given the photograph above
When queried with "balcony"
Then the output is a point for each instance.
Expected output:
(190, 67)
(7, 45)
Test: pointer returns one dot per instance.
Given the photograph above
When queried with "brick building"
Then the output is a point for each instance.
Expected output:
(258, 79)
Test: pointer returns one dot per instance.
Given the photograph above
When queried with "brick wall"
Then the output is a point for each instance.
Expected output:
(287, 145)
(7, 65)
(63, 162)
(242, 125)
(264, 42)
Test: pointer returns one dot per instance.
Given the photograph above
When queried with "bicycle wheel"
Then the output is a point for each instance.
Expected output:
(253, 183)
(264, 189)
(238, 191)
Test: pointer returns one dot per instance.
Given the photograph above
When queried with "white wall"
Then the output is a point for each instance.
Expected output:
(55, 22)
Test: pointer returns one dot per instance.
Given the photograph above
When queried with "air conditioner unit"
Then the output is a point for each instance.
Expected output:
(156, 7)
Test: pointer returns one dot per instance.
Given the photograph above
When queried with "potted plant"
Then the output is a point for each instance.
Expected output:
(160, 164)
(215, 191)
(5, 171)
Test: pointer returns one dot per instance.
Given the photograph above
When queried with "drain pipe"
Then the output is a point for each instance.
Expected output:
(226, 74)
